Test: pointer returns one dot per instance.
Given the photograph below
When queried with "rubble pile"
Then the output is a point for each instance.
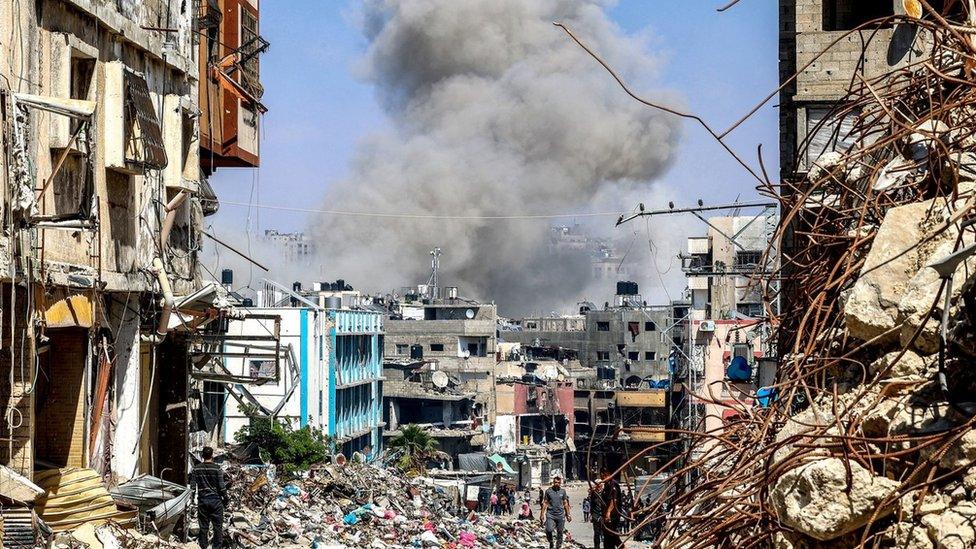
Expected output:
(360, 505)
(870, 440)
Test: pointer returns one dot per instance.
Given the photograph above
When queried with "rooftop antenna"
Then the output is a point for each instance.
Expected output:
(435, 263)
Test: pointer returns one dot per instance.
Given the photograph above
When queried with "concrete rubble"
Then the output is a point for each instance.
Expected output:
(362, 505)
(872, 439)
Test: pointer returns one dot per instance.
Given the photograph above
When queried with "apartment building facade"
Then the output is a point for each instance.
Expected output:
(103, 212)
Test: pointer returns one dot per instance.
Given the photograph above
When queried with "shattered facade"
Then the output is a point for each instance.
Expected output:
(103, 220)
(867, 437)
(458, 334)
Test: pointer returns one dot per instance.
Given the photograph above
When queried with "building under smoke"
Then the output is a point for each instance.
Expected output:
(493, 113)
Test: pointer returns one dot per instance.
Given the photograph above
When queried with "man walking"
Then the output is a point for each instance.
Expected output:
(555, 512)
(208, 481)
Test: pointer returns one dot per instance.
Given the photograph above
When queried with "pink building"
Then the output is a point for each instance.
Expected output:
(714, 345)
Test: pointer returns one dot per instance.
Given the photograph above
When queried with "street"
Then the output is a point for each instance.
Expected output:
(580, 530)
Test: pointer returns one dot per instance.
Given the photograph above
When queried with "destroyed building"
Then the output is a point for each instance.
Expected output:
(104, 214)
(417, 392)
(868, 437)
(459, 334)
(626, 341)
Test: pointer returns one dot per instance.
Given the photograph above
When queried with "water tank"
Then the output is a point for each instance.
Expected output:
(341, 284)
(417, 352)
(738, 370)
(227, 277)
(247, 302)
(626, 287)
(333, 302)
(452, 292)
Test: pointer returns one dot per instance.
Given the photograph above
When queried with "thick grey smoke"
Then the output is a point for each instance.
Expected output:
(494, 112)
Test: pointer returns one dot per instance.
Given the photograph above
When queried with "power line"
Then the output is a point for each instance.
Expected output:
(421, 216)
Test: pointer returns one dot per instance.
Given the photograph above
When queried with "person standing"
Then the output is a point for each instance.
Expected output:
(612, 502)
(555, 512)
(494, 502)
(586, 509)
(597, 508)
(207, 480)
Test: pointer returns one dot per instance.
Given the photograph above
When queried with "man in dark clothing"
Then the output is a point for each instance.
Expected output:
(208, 481)
(612, 511)
(597, 508)
(555, 512)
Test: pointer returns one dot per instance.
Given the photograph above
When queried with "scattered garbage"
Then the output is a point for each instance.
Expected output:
(363, 505)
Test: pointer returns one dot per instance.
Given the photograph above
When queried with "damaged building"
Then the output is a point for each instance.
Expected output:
(305, 365)
(105, 199)
(458, 334)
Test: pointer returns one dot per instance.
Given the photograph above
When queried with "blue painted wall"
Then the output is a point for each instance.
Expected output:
(355, 391)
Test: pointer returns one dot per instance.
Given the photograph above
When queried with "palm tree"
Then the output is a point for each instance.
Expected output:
(417, 445)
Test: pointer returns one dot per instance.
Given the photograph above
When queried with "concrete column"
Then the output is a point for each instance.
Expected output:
(125, 455)
(447, 413)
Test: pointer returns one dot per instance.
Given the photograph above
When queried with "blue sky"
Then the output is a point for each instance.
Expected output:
(720, 63)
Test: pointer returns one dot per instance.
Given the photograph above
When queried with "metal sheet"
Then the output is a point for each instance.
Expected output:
(75, 108)
(77, 496)
(141, 113)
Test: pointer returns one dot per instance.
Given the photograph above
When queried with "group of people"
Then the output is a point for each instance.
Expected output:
(502, 500)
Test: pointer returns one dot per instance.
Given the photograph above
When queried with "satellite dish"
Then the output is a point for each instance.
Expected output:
(439, 379)
(469, 313)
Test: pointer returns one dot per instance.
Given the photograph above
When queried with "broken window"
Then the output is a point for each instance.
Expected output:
(841, 15)
(649, 326)
(82, 70)
(144, 139)
(603, 355)
(752, 310)
(402, 348)
(650, 355)
(72, 177)
(262, 369)
(633, 355)
(437, 347)
(826, 131)
(603, 326)
(634, 329)
(748, 259)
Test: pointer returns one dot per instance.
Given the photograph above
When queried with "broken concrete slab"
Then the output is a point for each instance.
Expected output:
(815, 499)
(897, 254)
(953, 529)
(916, 306)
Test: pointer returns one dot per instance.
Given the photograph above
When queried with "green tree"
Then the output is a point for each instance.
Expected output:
(416, 446)
(280, 444)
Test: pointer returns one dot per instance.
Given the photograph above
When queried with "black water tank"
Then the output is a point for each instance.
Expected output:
(247, 302)
(626, 287)
(296, 286)
(417, 352)
(227, 277)
(341, 285)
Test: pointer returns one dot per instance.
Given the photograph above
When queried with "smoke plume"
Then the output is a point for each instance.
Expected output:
(493, 112)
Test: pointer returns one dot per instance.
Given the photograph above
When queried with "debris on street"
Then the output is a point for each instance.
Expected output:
(363, 505)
